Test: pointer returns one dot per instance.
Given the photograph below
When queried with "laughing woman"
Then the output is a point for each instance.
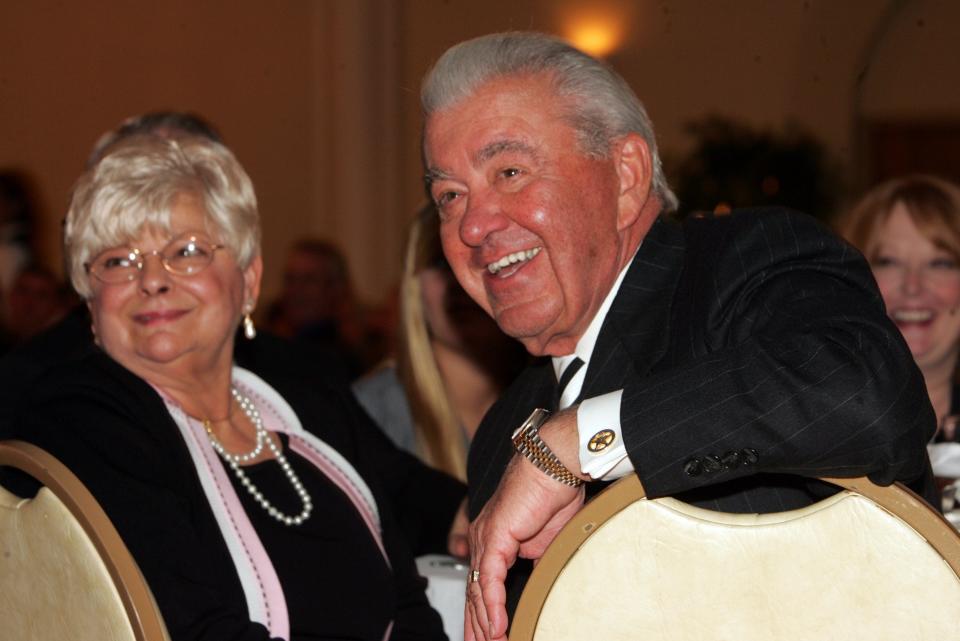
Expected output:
(909, 230)
(255, 509)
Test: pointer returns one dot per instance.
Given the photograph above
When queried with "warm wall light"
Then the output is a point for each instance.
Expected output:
(597, 31)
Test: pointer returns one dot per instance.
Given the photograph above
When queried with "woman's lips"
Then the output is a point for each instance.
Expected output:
(913, 322)
(905, 316)
(153, 318)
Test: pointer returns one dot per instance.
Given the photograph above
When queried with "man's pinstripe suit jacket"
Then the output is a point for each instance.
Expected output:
(748, 345)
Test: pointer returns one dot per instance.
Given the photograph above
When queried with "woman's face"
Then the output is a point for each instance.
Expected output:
(163, 325)
(920, 284)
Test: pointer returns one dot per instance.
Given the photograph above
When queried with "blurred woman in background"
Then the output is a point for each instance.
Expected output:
(909, 230)
(452, 361)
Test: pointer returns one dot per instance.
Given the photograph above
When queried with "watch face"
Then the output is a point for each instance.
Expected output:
(537, 418)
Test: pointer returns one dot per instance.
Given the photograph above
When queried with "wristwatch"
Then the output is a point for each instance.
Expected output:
(526, 440)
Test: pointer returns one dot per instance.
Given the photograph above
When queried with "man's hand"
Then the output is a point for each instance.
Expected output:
(521, 519)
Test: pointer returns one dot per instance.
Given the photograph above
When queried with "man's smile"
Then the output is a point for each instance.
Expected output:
(512, 259)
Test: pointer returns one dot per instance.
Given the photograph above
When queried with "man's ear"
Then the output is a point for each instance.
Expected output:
(634, 167)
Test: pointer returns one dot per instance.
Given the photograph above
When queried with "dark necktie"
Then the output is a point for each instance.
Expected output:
(571, 370)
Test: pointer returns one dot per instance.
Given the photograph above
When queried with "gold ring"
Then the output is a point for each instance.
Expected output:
(474, 576)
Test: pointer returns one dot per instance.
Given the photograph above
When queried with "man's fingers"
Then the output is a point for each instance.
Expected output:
(477, 612)
(493, 573)
(468, 633)
(524, 505)
(472, 631)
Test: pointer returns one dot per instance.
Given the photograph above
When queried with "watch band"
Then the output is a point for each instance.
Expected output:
(527, 441)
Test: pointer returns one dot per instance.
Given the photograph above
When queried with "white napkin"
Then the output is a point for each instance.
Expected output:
(446, 590)
(945, 459)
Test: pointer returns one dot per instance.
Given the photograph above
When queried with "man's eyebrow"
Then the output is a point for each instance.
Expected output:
(433, 174)
(498, 147)
(483, 155)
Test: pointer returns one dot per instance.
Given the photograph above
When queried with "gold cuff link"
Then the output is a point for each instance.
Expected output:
(601, 441)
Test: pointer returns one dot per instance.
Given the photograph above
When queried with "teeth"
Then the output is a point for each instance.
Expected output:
(510, 259)
(912, 315)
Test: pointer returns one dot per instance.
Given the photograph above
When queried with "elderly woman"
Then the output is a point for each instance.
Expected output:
(255, 510)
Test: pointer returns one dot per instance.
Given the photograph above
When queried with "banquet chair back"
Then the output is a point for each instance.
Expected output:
(64, 572)
(869, 562)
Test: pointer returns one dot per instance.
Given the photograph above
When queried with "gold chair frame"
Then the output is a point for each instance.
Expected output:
(138, 602)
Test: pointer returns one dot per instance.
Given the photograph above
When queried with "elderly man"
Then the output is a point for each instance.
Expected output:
(719, 353)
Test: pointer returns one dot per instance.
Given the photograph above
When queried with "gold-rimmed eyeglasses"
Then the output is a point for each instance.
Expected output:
(185, 255)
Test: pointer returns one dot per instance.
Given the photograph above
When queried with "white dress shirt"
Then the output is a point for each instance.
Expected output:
(600, 412)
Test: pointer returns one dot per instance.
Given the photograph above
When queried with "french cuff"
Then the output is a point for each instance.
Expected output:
(603, 454)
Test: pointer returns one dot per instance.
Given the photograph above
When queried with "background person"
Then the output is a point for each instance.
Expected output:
(318, 306)
(17, 214)
(37, 300)
(721, 354)
(163, 123)
(254, 509)
(452, 362)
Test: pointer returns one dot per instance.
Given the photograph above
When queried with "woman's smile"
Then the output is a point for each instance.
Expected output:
(159, 317)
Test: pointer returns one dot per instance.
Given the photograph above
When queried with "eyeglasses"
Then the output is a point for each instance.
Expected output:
(185, 255)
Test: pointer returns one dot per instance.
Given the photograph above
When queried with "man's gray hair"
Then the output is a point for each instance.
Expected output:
(603, 105)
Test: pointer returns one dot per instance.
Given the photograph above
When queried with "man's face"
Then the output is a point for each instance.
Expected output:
(529, 223)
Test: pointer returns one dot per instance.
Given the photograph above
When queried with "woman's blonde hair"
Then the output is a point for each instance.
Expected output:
(932, 203)
(439, 434)
(134, 187)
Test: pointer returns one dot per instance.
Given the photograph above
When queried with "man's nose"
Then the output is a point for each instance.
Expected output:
(154, 277)
(484, 215)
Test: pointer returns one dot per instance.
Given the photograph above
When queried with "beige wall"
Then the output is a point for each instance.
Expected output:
(319, 97)
(73, 70)
(915, 67)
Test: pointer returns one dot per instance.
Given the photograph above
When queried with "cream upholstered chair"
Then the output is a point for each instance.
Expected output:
(873, 563)
(64, 572)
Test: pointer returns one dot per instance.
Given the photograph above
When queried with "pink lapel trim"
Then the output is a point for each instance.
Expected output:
(265, 600)
(271, 592)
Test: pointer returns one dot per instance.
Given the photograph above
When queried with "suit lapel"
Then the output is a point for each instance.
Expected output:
(635, 334)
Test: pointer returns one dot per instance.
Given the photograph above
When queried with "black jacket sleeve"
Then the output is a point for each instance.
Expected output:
(788, 364)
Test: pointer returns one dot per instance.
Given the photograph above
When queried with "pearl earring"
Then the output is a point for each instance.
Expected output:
(249, 331)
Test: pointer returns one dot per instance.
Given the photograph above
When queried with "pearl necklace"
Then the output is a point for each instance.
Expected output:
(248, 407)
(234, 460)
